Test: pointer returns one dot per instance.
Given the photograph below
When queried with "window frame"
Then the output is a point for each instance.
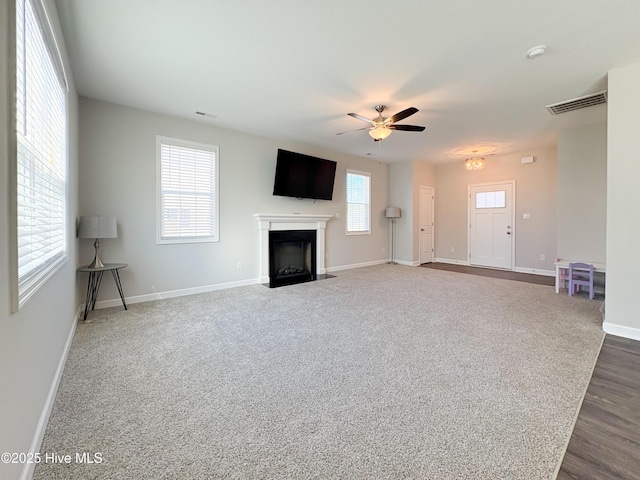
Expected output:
(347, 203)
(215, 149)
(22, 289)
(502, 198)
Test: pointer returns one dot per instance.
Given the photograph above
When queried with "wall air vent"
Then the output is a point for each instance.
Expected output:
(578, 103)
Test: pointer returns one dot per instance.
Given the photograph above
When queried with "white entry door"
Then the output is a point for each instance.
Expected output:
(491, 232)
(426, 224)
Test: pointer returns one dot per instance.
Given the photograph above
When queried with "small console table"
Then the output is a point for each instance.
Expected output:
(93, 285)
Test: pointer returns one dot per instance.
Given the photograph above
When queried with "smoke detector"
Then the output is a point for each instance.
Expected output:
(536, 51)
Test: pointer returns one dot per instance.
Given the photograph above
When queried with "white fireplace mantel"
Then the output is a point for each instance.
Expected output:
(290, 221)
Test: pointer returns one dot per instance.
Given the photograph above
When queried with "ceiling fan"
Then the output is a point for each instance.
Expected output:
(381, 127)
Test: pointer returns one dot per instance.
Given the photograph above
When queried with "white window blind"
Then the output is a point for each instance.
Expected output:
(188, 205)
(41, 164)
(358, 202)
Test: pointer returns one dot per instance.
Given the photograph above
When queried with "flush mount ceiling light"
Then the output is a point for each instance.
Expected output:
(474, 163)
(536, 51)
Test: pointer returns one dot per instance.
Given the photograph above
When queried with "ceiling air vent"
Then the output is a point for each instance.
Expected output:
(578, 103)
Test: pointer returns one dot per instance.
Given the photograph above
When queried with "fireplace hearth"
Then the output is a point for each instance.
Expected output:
(292, 257)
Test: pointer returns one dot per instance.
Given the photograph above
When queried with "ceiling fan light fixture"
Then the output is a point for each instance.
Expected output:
(379, 133)
(381, 127)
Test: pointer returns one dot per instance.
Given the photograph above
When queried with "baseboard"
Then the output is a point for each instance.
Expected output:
(222, 286)
(408, 264)
(41, 428)
(115, 302)
(356, 265)
(451, 261)
(621, 331)
(535, 271)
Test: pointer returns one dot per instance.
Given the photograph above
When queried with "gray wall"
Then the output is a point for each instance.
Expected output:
(118, 178)
(404, 191)
(401, 196)
(623, 198)
(536, 193)
(32, 341)
(582, 193)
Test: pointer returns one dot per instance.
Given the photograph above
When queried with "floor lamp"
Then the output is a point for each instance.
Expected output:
(393, 213)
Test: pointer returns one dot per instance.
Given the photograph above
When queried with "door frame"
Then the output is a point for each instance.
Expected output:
(513, 219)
(433, 223)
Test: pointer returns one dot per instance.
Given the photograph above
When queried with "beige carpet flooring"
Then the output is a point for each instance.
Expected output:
(383, 372)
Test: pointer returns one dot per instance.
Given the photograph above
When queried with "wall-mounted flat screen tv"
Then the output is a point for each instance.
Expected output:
(303, 176)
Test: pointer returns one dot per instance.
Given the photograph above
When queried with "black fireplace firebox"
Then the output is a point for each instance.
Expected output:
(292, 257)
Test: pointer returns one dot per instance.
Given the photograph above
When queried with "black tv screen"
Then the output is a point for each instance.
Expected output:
(303, 176)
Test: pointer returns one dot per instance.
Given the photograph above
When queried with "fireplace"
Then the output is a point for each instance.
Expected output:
(313, 225)
(292, 257)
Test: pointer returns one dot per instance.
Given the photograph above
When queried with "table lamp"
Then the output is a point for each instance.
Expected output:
(97, 227)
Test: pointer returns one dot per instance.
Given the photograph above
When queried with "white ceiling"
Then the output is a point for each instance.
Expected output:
(293, 69)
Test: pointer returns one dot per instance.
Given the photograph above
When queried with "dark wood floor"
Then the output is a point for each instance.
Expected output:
(605, 443)
(491, 272)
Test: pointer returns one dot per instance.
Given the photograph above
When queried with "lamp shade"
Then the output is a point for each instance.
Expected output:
(392, 212)
(379, 133)
(97, 227)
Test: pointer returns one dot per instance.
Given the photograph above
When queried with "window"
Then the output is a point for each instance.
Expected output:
(188, 191)
(358, 202)
(41, 153)
(496, 199)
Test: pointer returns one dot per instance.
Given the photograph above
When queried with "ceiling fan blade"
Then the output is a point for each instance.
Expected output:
(401, 115)
(406, 128)
(356, 130)
(360, 117)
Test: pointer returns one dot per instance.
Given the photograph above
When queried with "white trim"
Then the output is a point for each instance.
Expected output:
(41, 427)
(115, 302)
(535, 271)
(346, 205)
(33, 284)
(513, 218)
(356, 265)
(291, 221)
(451, 261)
(632, 333)
(408, 264)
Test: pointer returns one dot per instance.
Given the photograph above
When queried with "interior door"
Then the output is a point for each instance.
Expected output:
(426, 224)
(491, 233)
